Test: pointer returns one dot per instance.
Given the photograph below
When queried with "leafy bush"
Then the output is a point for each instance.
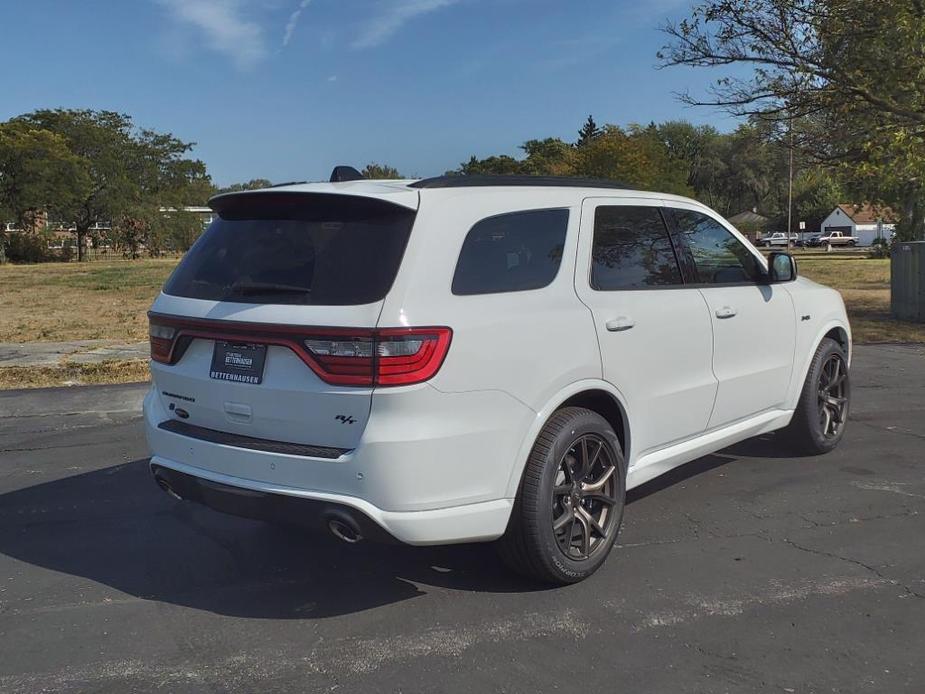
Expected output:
(880, 249)
(27, 248)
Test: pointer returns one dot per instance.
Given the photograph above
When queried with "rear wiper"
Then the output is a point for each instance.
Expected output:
(247, 288)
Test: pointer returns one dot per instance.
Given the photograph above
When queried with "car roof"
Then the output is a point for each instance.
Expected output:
(409, 192)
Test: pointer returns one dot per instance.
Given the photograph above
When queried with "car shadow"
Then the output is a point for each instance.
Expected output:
(113, 526)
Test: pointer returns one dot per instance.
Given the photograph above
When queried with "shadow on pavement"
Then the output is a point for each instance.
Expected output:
(114, 526)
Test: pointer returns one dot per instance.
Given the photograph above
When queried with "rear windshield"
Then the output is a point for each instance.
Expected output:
(296, 248)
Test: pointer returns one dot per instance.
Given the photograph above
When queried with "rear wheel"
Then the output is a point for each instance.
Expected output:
(822, 413)
(570, 503)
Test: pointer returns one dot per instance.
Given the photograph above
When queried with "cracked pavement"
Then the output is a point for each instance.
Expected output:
(743, 571)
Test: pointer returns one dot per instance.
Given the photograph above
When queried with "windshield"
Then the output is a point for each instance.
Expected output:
(296, 248)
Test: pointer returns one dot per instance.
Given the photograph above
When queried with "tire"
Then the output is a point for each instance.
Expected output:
(819, 424)
(553, 487)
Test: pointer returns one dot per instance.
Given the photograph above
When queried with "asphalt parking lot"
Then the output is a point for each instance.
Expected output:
(743, 571)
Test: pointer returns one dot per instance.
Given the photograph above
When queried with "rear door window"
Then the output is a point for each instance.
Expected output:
(632, 249)
(296, 248)
(511, 252)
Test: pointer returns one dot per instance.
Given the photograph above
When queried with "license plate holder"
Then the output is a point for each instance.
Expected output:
(238, 362)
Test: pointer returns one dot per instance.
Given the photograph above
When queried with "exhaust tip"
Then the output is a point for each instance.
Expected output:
(345, 531)
(165, 486)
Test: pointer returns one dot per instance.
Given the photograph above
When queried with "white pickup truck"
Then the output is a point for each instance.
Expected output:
(778, 238)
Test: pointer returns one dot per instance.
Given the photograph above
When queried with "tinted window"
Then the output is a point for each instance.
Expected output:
(511, 252)
(289, 248)
(631, 249)
(719, 257)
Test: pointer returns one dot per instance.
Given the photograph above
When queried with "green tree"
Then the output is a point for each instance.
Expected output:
(588, 132)
(38, 174)
(548, 157)
(130, 173)
(380, 171)
(496, 165)
(846, 73)
(633, 157)
(253, 184)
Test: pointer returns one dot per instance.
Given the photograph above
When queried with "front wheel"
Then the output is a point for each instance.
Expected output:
(570, 503)
(819, 421)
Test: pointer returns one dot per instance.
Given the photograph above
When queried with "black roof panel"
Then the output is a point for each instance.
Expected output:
(541, 181)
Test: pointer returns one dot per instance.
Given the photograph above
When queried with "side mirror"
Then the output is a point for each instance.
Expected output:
(781, 268)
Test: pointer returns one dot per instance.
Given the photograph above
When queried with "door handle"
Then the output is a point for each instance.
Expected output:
(619, 324)
(725, 312)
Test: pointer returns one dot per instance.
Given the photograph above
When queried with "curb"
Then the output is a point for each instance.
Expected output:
(32, 402)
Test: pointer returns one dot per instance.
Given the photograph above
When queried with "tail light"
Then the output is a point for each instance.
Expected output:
(339, 356)
(383, 357)
(161, 337)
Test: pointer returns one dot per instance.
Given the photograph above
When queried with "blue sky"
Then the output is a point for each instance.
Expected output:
(285, 89)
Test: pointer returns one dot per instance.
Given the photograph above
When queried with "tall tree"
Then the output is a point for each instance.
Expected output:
(130, 173)
(38, 175)
(846, 73)
(588, 132)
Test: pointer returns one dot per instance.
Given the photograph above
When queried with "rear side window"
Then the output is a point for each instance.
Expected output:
(511, 252)
(296, 248)
(719, 257)
(632, 249)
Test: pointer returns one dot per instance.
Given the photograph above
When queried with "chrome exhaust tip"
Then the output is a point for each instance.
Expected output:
(344, 530)
(165, 486)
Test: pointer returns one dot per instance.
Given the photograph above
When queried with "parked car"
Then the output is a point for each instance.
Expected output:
(778, 238)
(476, 359)
(833, 238)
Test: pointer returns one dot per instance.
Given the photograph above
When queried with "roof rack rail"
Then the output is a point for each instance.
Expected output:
(481, 181)
(287, 183)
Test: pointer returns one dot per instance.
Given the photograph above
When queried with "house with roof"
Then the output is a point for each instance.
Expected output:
(864, 222)
(750, 223)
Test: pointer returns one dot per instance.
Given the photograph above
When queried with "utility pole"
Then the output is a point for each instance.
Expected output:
(790, 187)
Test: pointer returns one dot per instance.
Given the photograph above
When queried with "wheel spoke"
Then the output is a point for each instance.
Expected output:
(567, 516)
(589, 519)
(597, 486)
(585, 534)
(562, 490)
(582, 468)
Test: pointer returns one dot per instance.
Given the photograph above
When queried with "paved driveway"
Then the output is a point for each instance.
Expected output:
(744, 571)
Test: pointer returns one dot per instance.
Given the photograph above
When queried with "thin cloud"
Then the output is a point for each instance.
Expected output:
(395, 15)
(224, 27)
(293, 21)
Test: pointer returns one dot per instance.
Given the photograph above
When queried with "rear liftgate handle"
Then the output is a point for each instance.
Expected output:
(619, 324)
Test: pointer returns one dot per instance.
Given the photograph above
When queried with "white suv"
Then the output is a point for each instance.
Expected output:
(464, 359)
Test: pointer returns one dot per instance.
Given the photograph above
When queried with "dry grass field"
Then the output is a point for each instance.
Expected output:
(865, 285)
(86, 301)
(108, 300)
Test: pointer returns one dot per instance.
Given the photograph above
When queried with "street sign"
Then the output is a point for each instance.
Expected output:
(802, 226)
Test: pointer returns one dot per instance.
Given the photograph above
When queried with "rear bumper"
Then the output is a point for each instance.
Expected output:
(251, 499)
(431, 468)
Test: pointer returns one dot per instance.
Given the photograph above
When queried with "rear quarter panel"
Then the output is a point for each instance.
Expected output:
(529, 344)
